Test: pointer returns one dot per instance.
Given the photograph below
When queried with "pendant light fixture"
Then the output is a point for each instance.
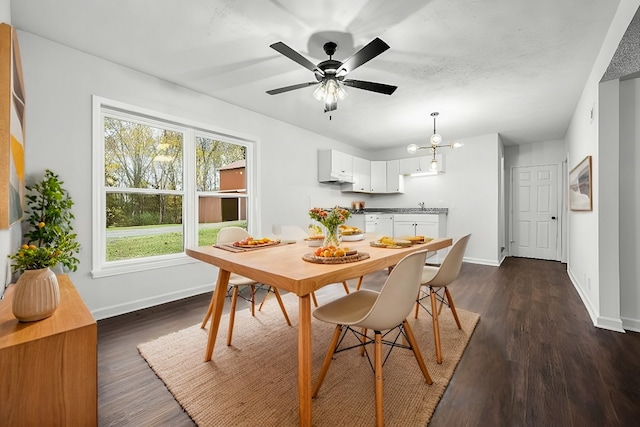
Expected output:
(435, 141)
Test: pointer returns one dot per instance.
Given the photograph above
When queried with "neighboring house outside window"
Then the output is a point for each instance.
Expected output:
(161, 184)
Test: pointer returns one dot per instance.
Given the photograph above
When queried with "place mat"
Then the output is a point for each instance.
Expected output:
(310, 257)
(386, 246)
(254, 382)
(229, 246)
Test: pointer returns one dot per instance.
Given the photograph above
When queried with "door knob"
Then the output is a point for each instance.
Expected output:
(553, 217)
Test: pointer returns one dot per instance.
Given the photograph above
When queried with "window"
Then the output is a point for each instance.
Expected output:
(162, 184)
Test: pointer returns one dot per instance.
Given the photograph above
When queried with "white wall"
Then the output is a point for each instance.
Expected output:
(585, 239)
(630, 204)
(59, 84)
(469, 188)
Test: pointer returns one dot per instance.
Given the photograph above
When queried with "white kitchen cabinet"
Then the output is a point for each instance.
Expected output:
(361, 177)
(395, 181)
(335, 166)
(420, 164)
(428, 225)
(415, 164)
(378, 176)
(385, 225)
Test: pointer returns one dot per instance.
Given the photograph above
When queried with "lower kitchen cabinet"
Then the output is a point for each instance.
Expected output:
(428, 225)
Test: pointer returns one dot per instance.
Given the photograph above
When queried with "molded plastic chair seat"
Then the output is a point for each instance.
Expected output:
(380, 311)
(437, 279)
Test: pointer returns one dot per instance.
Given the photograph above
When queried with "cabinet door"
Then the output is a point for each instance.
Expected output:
(416, 164)
(334, 166)
(427, 229)
(395, 182)
(402, 228)
(361, 175)
(342, 165)
(345, 162)
(378, 176)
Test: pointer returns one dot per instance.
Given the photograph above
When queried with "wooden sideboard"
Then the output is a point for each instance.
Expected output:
(48, 368)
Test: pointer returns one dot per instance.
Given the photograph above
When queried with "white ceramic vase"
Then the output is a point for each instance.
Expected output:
(36, 296)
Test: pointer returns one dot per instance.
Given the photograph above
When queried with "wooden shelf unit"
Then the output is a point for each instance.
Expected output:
(49, 367)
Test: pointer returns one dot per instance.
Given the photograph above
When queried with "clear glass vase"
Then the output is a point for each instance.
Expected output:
(331, 236)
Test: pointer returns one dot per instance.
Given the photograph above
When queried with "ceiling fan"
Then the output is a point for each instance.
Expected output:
(331, 74)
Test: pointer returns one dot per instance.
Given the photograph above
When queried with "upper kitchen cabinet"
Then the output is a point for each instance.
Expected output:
(335, 166)
(410, 165)
(378, 176)
(395, 182)
(420, 165)
(375, 177)
(361, 177)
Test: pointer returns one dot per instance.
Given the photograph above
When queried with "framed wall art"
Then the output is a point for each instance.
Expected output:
(580, 182)
(12, 127)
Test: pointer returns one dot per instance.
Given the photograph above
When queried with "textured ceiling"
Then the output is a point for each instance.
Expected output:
(514, 67)
(626, 59)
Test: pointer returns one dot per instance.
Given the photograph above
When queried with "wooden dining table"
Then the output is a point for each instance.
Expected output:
(283, 266)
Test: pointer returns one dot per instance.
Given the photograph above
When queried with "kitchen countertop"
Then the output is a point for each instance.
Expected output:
(401, 211)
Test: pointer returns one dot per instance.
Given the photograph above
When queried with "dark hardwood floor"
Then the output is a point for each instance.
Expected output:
(535, 358)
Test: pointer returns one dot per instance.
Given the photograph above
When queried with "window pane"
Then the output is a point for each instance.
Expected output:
(141, 156)
(142, 225)
(215, 212)
(212, 156)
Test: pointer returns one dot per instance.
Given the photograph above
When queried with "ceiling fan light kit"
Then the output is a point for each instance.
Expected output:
(435, 140)
(331, 74)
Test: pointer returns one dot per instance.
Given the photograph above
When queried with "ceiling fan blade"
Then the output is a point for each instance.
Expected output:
(292, 87)
(367, 53)
(295, 56)
(374, 87)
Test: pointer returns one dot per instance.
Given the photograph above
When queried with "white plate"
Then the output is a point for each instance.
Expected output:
(314, 242)
(352, 237)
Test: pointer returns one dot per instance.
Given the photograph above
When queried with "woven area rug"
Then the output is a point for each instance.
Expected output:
(254, 381)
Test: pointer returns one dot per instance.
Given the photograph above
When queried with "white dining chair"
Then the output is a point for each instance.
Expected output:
(380, 311)
(437, 279)
(235, 234)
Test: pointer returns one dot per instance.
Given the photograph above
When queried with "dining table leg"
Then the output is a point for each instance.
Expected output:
(304, 360)
(216, 307)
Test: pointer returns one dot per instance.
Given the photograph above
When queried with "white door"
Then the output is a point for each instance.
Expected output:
(534, 222)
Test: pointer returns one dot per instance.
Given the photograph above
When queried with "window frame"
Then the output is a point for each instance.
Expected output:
(189, 128)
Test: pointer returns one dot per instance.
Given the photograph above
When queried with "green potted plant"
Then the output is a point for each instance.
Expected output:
(50, 242)
(50, 220)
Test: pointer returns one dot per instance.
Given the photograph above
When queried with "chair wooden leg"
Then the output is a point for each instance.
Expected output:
(359, 283)
(315, 301)
(253, 300)
(416, 351)
(346, 287)
(327, 359)
(208, 315)
(284, 310)
(232, 314)
(453, 307)
(363, 339)
(415, 315)
(436, 326)
(378, 380)
(264, 299)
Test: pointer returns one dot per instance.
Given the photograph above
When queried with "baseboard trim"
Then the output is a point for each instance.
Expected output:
(598, 321)
(481, 261)
(128, 307)
(631, 324)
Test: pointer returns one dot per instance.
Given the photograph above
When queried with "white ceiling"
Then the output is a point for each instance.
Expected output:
(514, 67)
